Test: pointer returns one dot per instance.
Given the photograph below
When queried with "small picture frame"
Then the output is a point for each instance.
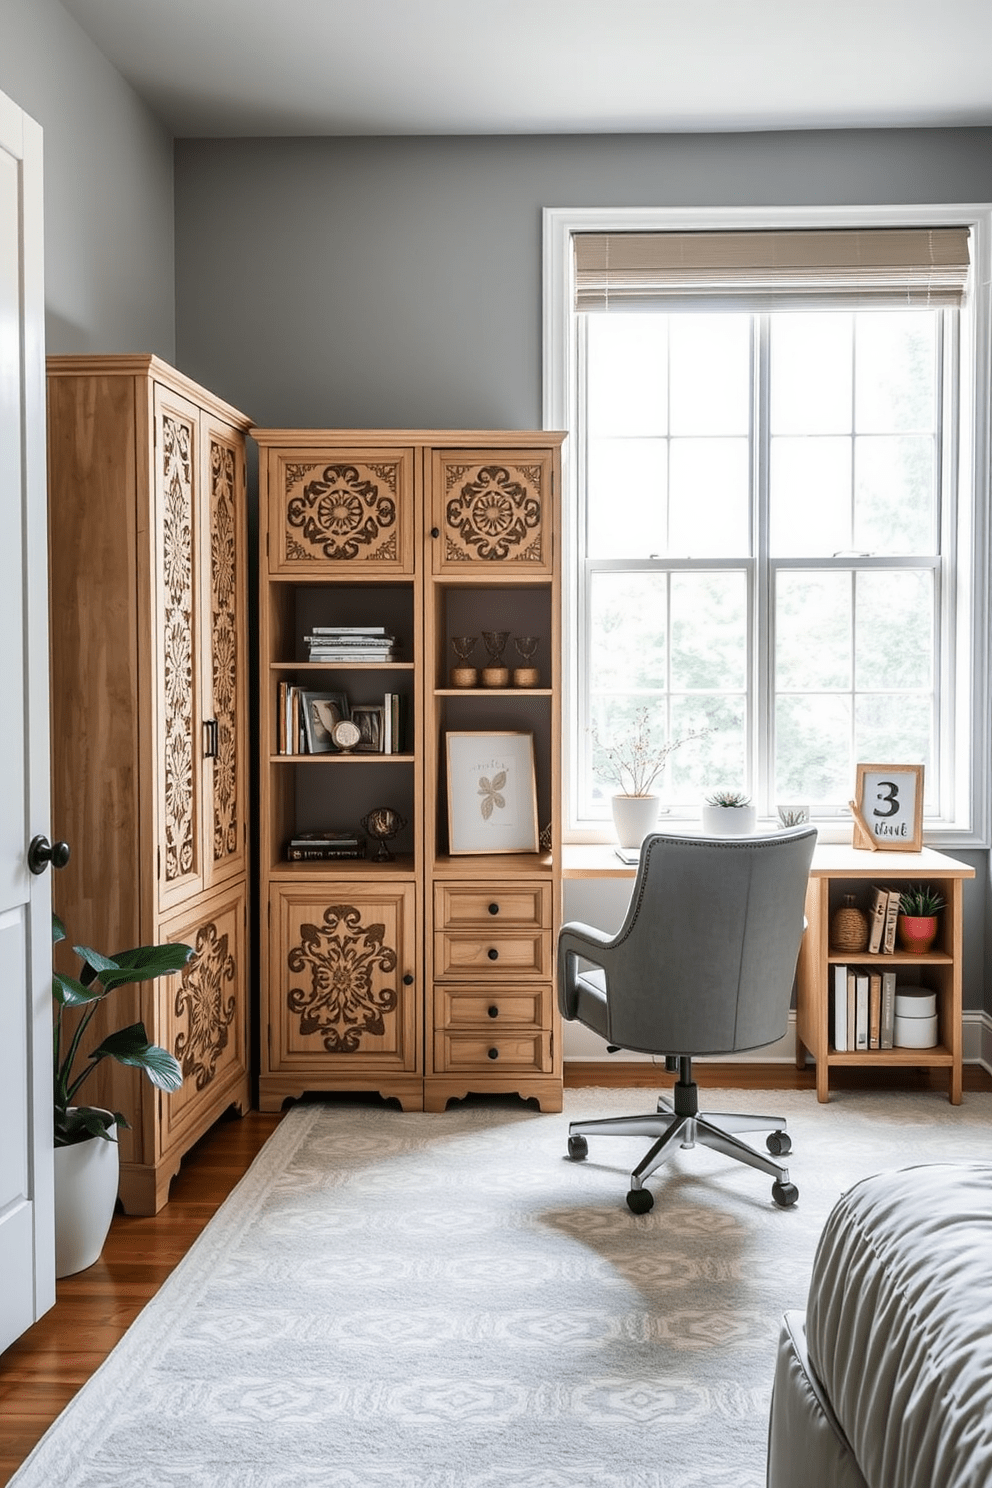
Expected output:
(888, 808)
(492, 793)
(320, 712)
(369, 720)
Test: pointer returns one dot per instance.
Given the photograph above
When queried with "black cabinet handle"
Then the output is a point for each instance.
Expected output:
(211, 746)
(494, 909)
(493, 1053)
(408, 980)
(493, 953)
(41, 852)
(493, 1011)
(435, 532)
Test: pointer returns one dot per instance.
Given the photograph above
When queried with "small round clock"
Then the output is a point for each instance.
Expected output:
(346, 734)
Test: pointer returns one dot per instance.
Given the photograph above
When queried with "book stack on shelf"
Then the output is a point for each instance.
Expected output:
(356, 643)
(306, 720)
(309, 847)
(882, 922)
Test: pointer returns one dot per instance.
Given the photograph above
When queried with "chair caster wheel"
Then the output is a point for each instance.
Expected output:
(578, 1148)
(779, 1143)
(640, 1200)
(785, 1194)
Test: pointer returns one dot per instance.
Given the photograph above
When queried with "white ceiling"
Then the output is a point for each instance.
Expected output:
(353, 67)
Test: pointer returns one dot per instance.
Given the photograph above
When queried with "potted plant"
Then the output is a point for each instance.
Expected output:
(86, 1158)
(919, 906)
(728, 814)
(634, 762)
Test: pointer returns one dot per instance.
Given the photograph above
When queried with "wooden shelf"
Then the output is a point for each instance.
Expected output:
(837, 870)
(368, 758)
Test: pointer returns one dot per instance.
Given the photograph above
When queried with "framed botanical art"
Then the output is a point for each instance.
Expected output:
(888, 808)
(492, 793)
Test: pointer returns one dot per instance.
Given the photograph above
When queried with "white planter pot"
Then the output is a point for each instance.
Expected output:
(634, 817)
(728, 821)
(86, 1178)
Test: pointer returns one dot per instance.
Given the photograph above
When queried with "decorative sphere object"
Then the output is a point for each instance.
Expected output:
(849, 928)
(383, 823)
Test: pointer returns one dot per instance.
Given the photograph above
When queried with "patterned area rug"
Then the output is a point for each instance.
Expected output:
(394, 1300)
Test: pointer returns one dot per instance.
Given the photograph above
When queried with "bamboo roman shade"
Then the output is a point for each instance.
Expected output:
(860, 267)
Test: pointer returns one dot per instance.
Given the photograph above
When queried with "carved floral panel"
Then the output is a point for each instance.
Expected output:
(225, 660)
(344, 979)
(346, 510)
(494, 511)
(206, 1005)
(176, 474)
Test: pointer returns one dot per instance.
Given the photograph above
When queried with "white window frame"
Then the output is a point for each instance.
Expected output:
(967, 824)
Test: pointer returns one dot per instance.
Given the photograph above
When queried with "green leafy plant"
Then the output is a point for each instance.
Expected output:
(920, 901)
(728, 798)
(98, 977)
(635, 761)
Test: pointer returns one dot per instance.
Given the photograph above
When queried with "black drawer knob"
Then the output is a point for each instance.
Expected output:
(494, 909)
(493, 953)
(435, 532)
(493, 1011)
(408, 980)
(493, 1053)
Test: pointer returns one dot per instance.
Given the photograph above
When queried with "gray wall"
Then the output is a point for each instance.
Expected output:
(109, 255)
(397, 282)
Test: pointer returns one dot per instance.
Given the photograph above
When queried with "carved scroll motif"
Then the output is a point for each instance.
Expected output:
(343, 514)
(177, 579)
(224, 661)
(201, 1001)
(344, 962)
(493, 513)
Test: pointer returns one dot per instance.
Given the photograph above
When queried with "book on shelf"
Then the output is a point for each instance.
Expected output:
(852, 1008)
(861, 1010)
(840, 1009)
(351, 643)
(876, 920)
(891, 916)
(322, 844)
(392, 741)
(888, 1010)
(322, 854)
(348, 630)
(874, 1010)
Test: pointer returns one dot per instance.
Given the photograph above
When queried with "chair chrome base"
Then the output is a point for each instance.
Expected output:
(671, 1127)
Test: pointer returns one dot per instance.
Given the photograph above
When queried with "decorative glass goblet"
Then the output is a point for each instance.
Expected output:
(464, 675)
(496, 674)
(526, 676)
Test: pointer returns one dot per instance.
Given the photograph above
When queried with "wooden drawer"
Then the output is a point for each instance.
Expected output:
(458, 1053)
(462, 1008)
(458, 906)
(491, 956)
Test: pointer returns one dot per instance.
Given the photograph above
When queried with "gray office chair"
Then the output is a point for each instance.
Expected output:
(703, 964)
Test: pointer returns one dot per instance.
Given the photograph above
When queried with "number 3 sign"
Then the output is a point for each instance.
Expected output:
(888, 807)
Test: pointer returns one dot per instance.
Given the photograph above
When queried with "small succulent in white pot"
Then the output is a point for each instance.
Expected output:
(728, 814)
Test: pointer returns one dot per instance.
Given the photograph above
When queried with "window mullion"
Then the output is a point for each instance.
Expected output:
(761, 679)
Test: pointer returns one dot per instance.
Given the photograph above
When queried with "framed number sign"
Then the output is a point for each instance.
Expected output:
(888, 808)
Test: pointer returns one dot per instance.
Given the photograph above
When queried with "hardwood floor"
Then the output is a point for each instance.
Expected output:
(40, 1373)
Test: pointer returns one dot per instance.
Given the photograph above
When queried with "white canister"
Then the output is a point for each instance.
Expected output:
(915, 1018)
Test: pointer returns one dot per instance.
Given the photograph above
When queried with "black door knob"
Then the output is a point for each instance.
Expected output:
(494, 909)
(42, 852)
(493, 953)
(493, 1011)
(435, 532)
(408, 980)
(493, 1053)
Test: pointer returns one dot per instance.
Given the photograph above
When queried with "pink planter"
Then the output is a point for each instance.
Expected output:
(917, 933)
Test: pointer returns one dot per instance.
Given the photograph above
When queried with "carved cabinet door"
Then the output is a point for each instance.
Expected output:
(225, 680)
(492, 507)
(349, 508)
(177, 755)
(344, 959)
(201, 1015)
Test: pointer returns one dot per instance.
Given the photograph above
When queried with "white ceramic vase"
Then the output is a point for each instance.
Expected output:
(634, 817)
(728, 821)
(86, 1179)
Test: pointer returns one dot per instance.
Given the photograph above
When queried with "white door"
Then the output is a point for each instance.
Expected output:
(27, 1238)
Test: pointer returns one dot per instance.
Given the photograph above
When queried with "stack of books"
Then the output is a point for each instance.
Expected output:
(359, 643)
(863, 1008)
(307, 847)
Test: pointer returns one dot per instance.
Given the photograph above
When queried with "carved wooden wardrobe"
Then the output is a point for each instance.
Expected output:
(149, 728)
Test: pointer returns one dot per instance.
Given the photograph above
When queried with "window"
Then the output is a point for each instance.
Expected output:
(770, 542)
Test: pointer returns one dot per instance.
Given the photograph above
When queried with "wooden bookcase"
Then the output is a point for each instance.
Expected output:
(841, 870)
(430, 975)
(149, 658)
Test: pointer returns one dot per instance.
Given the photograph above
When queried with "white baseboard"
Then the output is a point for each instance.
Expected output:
(582, 1044)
